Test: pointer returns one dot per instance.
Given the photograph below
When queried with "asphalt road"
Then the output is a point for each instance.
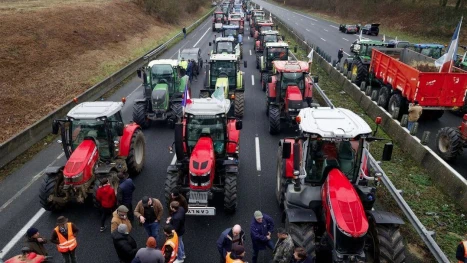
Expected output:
(327, 36)
(19, 191)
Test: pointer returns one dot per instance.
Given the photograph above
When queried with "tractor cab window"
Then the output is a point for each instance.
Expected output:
(294, 79)
(266, 28)
(230, 32)
(212, 126)
(342, 154)
(225, 47)
(162, 74)
(221, 67)
(278, 53)
(219, 16)
(270, 38)
(94, 129)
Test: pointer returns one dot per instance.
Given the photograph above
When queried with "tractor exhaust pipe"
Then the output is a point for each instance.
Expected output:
(296, 165)
(179, 141)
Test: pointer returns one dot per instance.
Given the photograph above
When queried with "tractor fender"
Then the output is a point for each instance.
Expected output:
(233, 135)
(53, 170)
(231, 169)
(308, 87)
(383, 217)
(125, 140)
(289, 161)
(272, 88)
(298, 215)
(103, 169)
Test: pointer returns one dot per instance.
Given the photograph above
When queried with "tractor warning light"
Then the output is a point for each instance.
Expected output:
(123, 100)
(75, 100)
(378, 120)
(298, 119)
(232, 96)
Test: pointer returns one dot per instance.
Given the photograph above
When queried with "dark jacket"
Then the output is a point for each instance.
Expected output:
(178, 221)
(460, 253)
(125, 246)
(224, 243)
(181, 201)
(36, 246)
(340, 53)
(125, 192)
(156, 205)
(54, 238)
(259, 231)
(306, 260)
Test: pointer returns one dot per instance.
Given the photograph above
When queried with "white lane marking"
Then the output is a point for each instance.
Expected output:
(252, 80)
(323, 39)
(248, 37)
(312, 24)
(173, 160)
(201, 37)
(325, 30)
(345, 39)
(346, 53)
(21, 233)
(307, 30)
(129, 95)
(334, 26)
(258, 156)
(314, 19)
(250, 52)
(21, 191)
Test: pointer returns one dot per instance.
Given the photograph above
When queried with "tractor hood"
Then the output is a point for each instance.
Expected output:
(202, 157)
(345, 205)
(160, 97)
(294, 93)
(81, 162)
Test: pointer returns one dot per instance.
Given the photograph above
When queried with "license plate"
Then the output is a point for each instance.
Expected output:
(201, 211)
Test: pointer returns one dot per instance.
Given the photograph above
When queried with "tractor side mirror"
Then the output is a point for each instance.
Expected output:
(238, 125)
(387, 151)
(286, 147)
(210, 44)
(295, 49)
(55, 127)
(315, 79)
(119, 127)
(138, 72)
(244, 63)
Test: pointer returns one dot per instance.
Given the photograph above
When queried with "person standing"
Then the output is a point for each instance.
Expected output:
(284, 249)
(184, 33)
(120, 216)
(35, 242)
(300, 256)
(170, 248)
(340, 55)
(189, 70)
(415, 111)
(124, 244)
(194, 69)
(236, 255)
(150, 254)
(261, 228)
(176, 196)
(177, 221)
(125, 193)
(105, 195)
(461, 252)
(64, 235)
(229, 238)
(149, 212)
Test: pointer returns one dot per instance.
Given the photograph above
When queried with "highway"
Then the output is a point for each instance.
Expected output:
(326, 35)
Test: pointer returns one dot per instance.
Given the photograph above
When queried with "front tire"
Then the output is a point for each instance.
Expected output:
(274, 120)
(386, 244)
(171, 183)
(136, 156)
(280, 184)
(449, 143)
(239, 103)
(139, 115)
(303, 235)
(50, 188)
(230, 193)
(177, 110)
(359, 72)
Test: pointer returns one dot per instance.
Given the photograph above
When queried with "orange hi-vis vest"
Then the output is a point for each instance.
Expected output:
(173, 242)
(465, 250)
(229, 260)
(66, 245)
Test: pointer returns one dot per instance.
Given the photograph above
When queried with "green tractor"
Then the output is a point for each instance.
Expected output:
(461, 61)
(272, 51)
(163, 91)
(223, 72)
(430, 50)
(226, 45)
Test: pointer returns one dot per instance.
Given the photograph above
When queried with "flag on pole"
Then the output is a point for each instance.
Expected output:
(360, 37)
(445, 62)
(384, 38)
(310, 56)
(186, 98)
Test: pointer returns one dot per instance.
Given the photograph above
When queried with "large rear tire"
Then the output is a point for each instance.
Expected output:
(49, 188)
(239, 107)
(386, 245)
(136, 156)
(449, 143)
(230, 193)
(171, 183)
(264, 81)
(139, 115)
(274, 120)
(177, 110)
(303, 235)
(281, 185)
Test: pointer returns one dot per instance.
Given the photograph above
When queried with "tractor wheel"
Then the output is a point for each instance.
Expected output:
(404, 120)
(171, 183)
(359, 72)
(177, 110)
(281, 185)
(135, 159)
(203, 95)
(449, 143)
(383, 98)
(50, 188)
(374, 95)
(230, 193)
(139, 115)
(264, 81)
(345, 67)
(303, 235)
(368, 90)
(239, 106)
(386, 243)
(96, 203)
(396, 101)
(363, 86)
(274, 119)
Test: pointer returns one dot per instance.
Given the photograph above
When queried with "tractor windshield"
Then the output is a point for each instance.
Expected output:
(295, 79)
(236, 16)
(206, 125)
(230, 32)
(270, 38)
(431, 52)
(320, 154)
(225, 47)
(278, 53)
(221, 68)
(265, 28)
(219, 16)
(81, 129)
(162, 74)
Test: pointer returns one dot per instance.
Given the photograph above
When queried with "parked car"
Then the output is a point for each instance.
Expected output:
(370, 29)
(348, 29)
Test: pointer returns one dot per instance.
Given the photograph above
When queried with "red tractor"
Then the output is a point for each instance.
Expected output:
(97, 145)
(239, 22)
(218, 20)
(261, 27)
(206, 147)
(268, 36)
(326, 184)
(288, 91)
(451, 141)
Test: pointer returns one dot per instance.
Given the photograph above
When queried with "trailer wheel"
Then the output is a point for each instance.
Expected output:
(303, 235)
(230, 193)
(404, 120)
(395, 102)
(383, 98)
(274, 119)
(449, 143)
(386, 243)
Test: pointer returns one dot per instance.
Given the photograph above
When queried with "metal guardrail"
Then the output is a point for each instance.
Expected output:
(22, 141)
(426, 236)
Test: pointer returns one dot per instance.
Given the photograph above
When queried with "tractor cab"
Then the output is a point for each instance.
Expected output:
(232, 31)
(430, 50)
(218, 20)
(273, 51)
(269, 36)
(238, 22)
(461, 61)
(261, 27)
(235, 16)
(226, 45)
(164, 78)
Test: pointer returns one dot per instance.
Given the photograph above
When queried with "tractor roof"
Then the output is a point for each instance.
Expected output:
(332, 122)
(172, 62)
(269, 32)
(290, 66)
(193, 50)
(223, 57)
(218, 12)
(265, 23)
(277, 44)
(95, 109)
(230, 27)
(428, 46)
(225, 39)
(371, 42)
(207, 106)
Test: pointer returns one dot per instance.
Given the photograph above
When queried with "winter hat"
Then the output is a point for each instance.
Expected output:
(258, 214)
(151, 242)
(238, 250)
(31, 231)
(62, 220)
(122, 208)
(122, 229)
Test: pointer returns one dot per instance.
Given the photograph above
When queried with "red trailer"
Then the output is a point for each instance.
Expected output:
(407, 76)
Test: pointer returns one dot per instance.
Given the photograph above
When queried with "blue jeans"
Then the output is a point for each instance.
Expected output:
(269, 244)
(181, 248)
(152, 229)
(410, 125)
